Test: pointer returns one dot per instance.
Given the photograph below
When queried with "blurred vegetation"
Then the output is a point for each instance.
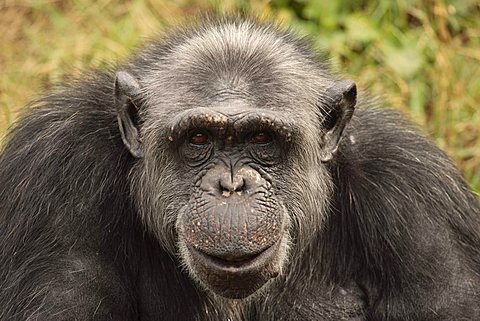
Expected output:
(421, 56)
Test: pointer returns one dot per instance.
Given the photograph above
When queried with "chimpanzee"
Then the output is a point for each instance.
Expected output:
(222, 174)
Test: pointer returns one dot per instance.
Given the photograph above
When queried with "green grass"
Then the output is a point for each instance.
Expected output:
(422, 57)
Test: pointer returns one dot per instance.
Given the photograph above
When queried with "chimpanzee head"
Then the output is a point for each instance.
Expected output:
(231, 125)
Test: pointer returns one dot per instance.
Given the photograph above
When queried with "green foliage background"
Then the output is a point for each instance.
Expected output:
(420, 56)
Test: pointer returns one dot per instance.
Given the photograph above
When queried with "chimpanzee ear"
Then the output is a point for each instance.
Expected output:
(126, 90)
(339, 104)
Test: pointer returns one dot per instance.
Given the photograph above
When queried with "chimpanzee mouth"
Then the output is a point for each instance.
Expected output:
(237, 265)
(237, 277)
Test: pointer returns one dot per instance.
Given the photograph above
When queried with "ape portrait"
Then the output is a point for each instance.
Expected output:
(225, 172)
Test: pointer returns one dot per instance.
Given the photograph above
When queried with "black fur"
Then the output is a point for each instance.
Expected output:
(399, 239)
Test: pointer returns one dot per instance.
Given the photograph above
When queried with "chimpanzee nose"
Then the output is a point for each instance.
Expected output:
(230, 184)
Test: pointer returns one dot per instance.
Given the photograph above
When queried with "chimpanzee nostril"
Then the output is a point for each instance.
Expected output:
(229, 184)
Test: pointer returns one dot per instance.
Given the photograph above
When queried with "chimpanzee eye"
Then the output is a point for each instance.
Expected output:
(261, 138)
(199, 138)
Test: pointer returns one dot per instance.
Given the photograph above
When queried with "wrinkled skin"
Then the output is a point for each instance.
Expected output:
(233, 226)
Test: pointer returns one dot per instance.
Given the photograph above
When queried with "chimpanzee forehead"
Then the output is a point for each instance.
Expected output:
(237, 59)
(233, 59)
(237, 45)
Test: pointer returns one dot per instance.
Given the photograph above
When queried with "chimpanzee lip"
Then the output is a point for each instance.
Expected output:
(255, 261)
(236, 279)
